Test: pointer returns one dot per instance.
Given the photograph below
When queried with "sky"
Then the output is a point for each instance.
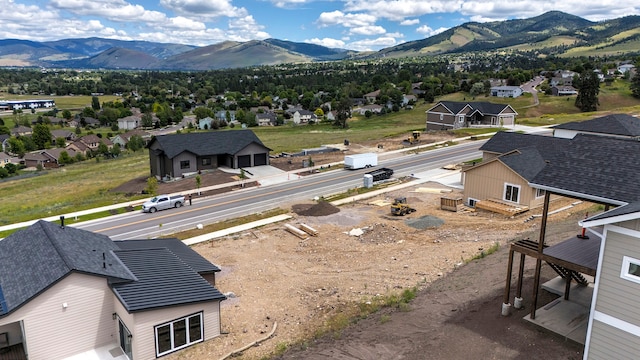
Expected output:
(360, 25)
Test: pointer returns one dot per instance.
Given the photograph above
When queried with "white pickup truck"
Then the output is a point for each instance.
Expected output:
(162, 202)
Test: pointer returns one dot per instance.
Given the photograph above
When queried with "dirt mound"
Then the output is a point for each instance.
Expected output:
(322, 208)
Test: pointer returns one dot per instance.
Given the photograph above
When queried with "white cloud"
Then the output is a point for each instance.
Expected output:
(246, 28)
(328, 42)
(398, 10)
(348, 20)
(367, 30)
(409, 22)
(370, 44)
(426, 31)
(288, 3)
(203, 8)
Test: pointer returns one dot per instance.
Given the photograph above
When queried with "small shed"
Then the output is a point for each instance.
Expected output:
(451, 203)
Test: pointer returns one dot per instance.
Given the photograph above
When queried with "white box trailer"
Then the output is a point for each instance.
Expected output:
(360, 161)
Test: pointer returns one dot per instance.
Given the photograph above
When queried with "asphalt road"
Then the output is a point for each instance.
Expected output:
(138, 225)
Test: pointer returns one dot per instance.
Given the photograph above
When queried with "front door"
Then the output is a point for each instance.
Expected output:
(125, 339)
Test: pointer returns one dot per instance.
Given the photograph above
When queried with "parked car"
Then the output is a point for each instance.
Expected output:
(162, 202)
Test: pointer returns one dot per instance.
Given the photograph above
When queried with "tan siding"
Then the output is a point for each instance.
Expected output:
(487, 181)
(143, 329)
(616, 296)
(53, 332)
(609, 343)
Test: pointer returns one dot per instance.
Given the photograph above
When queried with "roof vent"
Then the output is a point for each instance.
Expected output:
(62, 221)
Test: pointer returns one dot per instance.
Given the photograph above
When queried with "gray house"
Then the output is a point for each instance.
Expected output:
(451, 115)
(66, 292)
(182, 154)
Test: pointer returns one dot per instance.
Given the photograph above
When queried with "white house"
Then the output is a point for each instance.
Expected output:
(506, 91)
(66, 292)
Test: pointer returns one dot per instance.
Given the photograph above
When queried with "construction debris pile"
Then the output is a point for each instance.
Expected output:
(322, 208)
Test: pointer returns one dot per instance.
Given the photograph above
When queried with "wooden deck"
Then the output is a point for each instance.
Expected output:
(14, 352)
(501, 207)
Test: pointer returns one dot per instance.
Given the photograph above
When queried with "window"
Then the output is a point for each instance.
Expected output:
(630, 269)
(185, 164)
(125, 339)
(461, 119)
(472, 202)
(441, 117)
(511, 193)
(206, 161)
(540, 193)
(178, 334)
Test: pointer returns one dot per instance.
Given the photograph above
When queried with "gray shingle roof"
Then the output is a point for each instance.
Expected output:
(488, 108)
(599, 168)
(33, 259)
(163, 280)
(613, 124)
(527, 162)
(481, 106)
(206, 143)
(184, 252)
(619, 211)
(504, 142)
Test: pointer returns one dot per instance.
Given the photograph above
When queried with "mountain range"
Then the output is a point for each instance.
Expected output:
(552, 33)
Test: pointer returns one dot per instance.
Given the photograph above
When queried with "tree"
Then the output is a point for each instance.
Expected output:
(135, 143)
(147, 120)
(202, 112)
(95, 103)
(588, 85)
(60, 142)
(343, 112)
(635, 85)
(152, 185)
(65, 158)
(41, 136)
(198, 183)
(115, 151)
(3, 173)
(477, 89)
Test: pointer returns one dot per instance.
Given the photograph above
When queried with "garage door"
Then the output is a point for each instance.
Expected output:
(260, 159)
(244, 161)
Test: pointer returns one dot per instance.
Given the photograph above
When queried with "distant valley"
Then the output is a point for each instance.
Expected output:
(553, 33)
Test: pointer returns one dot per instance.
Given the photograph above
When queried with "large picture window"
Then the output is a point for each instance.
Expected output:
(630, 269)
(512, 193)
(178, 334)
(185, 164)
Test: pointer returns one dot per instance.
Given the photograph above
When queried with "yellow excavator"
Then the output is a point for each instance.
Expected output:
(414, 138)
(400, 207)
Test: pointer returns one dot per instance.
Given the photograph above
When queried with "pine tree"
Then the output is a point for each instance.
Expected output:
(588, 89)
(635, 85)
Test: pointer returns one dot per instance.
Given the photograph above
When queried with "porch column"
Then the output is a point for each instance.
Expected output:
(543, 229)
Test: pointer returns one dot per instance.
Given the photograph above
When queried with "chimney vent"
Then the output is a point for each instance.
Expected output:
(62, 221)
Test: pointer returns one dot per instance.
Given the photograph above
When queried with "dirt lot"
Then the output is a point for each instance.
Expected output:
(272, 276)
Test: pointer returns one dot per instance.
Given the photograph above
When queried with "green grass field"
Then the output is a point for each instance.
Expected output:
(88, 184)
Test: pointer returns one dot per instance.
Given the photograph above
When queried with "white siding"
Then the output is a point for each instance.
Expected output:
(143, 328)
(54, 332)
